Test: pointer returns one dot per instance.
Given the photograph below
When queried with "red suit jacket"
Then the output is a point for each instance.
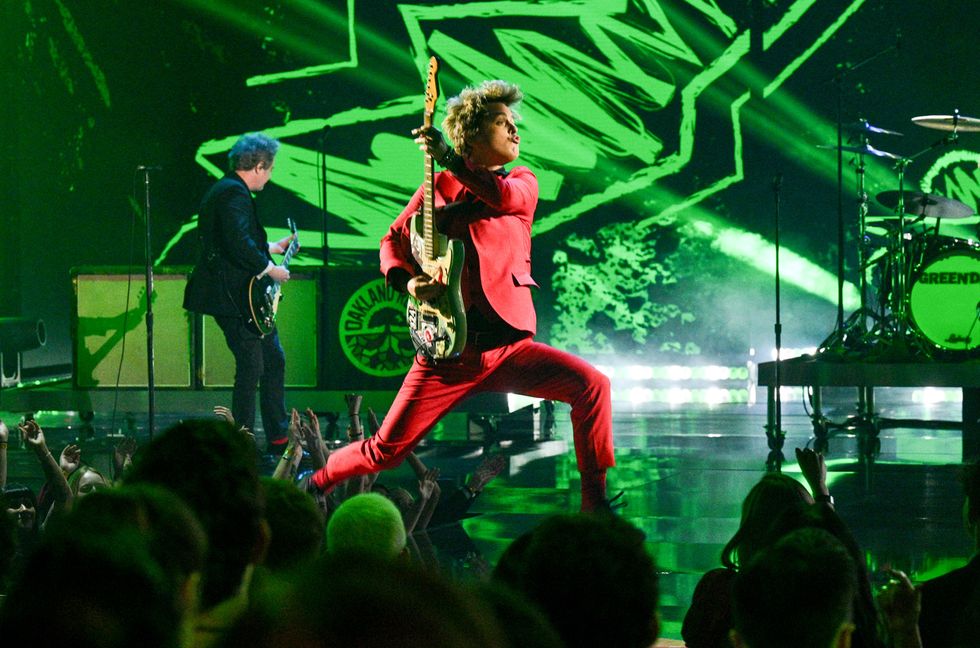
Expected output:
(494, 224)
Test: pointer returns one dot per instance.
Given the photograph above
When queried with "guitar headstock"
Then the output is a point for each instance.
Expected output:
(431, 91)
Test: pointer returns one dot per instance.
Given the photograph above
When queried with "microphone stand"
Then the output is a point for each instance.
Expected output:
(774, 433)
(150, 400)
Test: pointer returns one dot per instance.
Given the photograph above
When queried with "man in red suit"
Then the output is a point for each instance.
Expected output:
(490, 209)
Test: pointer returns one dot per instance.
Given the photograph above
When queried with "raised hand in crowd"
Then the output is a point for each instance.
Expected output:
(122, 456)
(814, 470)
(489, 468)
(355, 433)
(70, 459)
(312, 442)
(899, 604)
(418, 515)
(293, 454)
(224, 413)
(33, 437)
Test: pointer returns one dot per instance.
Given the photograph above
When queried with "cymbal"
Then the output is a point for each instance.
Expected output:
(964, 228)
(865, 149)
(920, 204)
(959, 123)
(862, 126)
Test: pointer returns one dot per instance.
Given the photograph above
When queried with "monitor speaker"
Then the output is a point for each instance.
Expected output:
(298, 325)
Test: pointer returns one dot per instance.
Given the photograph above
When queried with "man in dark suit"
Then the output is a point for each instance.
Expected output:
(235, 248)
(491, 211)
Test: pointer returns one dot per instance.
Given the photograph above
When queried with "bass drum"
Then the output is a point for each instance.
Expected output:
(944, 301)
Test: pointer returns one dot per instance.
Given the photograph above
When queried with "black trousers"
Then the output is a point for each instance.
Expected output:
(260, 363)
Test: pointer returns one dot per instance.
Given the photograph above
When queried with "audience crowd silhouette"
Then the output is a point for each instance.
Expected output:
(190, 546)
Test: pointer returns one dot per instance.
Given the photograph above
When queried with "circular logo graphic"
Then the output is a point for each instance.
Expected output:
(373, 332)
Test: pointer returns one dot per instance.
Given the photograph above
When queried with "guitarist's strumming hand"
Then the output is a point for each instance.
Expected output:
(425, 288)
(278, 273)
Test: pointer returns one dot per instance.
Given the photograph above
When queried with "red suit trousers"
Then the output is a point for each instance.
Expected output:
(526, 367)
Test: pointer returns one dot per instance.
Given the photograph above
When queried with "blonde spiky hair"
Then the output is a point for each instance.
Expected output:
(466, 111)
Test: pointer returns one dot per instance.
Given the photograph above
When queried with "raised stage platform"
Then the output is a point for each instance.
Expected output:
(865, 377)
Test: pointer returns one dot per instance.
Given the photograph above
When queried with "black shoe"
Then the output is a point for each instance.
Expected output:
(612, 504)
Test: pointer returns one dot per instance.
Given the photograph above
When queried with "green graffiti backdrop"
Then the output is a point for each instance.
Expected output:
(654, 127)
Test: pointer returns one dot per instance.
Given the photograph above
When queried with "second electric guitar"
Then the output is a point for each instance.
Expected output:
(264, 293)
(438, 328)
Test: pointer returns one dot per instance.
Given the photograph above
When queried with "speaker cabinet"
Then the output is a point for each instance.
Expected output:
(110, 330)
(110, 325)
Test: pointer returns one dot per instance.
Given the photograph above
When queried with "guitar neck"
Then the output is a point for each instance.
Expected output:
(290, 251)
(428, 202)
(429, 240)
(293, 244)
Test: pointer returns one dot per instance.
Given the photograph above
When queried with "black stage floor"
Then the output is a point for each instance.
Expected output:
(684, 471)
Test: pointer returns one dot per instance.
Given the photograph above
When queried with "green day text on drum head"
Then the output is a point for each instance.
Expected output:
(372, 331)
(945, 298)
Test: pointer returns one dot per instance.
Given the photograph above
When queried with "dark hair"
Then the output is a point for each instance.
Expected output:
(326, 605)
(212, 467)
(825, 518)
(252, 149)
(592, 577)
(296, 523)
(796, 593)
(115, 596)
(173, 535)
(765, 502)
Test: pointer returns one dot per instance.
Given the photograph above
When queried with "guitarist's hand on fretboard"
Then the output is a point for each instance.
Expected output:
(425, 288)
(280, 246)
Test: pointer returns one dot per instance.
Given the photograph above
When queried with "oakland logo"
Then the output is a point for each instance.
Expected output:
(373, 333)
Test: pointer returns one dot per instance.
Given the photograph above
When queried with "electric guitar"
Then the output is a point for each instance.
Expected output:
(437, 328)
(264, 292)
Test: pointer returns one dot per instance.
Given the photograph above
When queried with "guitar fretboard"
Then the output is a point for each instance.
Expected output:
(428, 202)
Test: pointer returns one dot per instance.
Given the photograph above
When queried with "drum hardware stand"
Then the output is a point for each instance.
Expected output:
(775, 435)
(895, 332)
(854, 334)
(842, 70)
(866, 425)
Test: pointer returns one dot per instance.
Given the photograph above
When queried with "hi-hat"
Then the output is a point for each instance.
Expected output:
(957, 122)
(865, 149)
(921, 204)
(862, 126)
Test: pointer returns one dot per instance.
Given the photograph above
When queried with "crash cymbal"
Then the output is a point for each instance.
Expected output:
(920, 204)
(862, 126)
(865, 149)
(960, 123)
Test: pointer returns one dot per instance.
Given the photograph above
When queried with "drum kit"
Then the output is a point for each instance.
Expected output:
(925, 271)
